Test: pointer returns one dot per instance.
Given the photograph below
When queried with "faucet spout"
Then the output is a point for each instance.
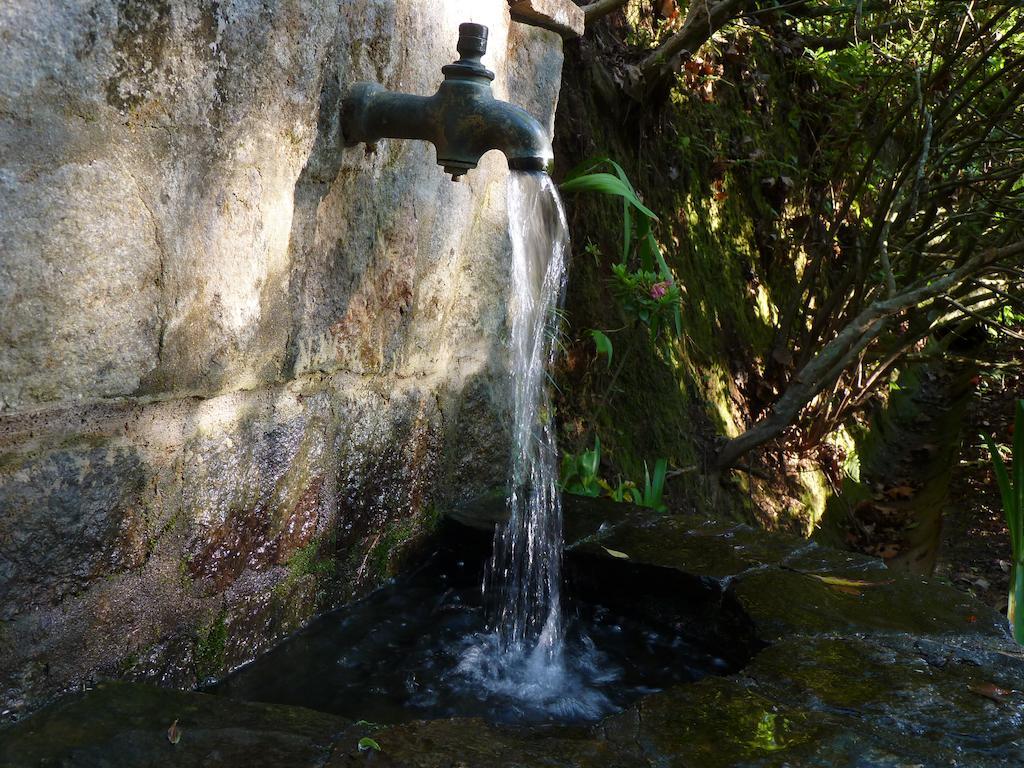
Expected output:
(462, 120)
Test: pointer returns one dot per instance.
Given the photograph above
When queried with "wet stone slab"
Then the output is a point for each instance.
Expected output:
(891, 672)
(127, 724)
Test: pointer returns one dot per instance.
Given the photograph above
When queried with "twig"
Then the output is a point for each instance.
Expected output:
(984, 320)
(600, 8)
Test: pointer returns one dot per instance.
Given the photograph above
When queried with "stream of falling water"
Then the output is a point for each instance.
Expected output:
(428, 646)
(524, 656)
(525, 574)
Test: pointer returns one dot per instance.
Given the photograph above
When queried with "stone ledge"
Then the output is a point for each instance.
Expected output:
(561, 16)
(851, 688)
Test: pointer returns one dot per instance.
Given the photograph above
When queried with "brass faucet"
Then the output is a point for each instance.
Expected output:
(462, 120)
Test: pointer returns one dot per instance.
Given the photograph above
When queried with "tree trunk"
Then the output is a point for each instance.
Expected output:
(703, 19)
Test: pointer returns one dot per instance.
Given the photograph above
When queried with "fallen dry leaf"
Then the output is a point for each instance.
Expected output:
(888, 551)
(848, 586)
(900, 492)
(616, 553)
(174, 733)
(990, 691)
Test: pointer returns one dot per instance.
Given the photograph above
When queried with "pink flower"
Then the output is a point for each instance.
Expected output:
(660, 289)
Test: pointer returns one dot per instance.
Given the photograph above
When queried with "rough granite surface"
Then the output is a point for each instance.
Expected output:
(240, 367)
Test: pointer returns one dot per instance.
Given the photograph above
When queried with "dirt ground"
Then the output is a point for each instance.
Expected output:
(935, 507)
(975, 550)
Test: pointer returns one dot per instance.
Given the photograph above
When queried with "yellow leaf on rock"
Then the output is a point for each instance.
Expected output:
(616, 553)
(837, 581)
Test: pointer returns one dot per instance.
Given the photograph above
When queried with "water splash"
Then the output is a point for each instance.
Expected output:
(427, 647)
(524, 657)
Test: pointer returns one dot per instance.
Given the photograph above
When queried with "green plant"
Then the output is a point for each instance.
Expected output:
(603, 345)
(1011, 487)
(646, 296)
(579, 476)
(579, 473)
(645, 285)
(654, 486)
(650, 496)
(626, 491)
(209, 649)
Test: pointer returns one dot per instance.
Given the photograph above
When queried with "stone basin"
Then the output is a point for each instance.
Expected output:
(865, 667)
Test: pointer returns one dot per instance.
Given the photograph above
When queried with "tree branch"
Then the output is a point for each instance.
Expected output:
(703, 19)
(824, 367)
(600, 8)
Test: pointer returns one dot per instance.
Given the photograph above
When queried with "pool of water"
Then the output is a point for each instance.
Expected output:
(419, 648)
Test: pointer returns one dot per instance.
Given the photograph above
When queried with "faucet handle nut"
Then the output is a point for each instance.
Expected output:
(472, 40)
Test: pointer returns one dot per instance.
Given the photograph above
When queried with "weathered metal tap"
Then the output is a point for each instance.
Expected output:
(462, 120)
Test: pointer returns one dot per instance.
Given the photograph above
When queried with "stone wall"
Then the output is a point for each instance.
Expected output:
(240, 367)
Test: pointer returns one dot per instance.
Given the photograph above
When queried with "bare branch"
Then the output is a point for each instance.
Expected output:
(847, 345)
(983, 320)
(703, 19)
(600, 9)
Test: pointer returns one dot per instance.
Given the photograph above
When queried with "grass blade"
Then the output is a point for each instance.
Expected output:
(1006, 491)
(1015, 611)
(1018, 481)
(660, 474)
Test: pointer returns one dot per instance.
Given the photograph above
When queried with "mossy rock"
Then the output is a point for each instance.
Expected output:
(879, 670)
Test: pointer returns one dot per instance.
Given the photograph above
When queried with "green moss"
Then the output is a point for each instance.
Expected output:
(127, 664)
(393, 548)
(308, 561)
(814, 497)
(208, 654)
(311, 562)
(185, 571)
(702, 174)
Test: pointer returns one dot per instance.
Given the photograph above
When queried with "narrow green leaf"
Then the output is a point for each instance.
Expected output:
(607, 184)
(1015, 611)
(658, 482)
(587, 166)
(627, 229)
(1006, 491)
(1018, 479)
(591, 460)
(627, 217)
(603, 345)
(666, 273)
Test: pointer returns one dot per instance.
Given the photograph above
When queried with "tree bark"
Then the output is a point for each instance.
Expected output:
(828, 364)
(703, 19)
(601, 8)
